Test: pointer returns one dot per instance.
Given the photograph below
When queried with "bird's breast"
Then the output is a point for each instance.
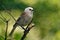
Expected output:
(25, 20)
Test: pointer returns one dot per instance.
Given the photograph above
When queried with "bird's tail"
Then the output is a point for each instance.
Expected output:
(14, 27)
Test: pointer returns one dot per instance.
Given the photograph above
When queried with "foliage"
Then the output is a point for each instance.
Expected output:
(46, 18)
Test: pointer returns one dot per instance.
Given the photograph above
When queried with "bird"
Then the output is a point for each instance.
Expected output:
(24, 19)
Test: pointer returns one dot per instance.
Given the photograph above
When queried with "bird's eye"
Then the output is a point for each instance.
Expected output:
(30, 9)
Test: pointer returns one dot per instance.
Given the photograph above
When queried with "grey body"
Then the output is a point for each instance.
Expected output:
(24, 19)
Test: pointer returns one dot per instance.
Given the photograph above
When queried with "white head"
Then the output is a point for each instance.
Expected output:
(28, 10)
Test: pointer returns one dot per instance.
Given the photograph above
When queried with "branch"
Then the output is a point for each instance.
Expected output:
(27, 31)
(6, 29)
(11, 16)
(6, 21)
(3, 18)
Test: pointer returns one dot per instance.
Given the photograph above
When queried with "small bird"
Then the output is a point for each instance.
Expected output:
(25, 18)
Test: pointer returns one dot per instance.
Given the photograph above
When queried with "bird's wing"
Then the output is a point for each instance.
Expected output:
(22, 16)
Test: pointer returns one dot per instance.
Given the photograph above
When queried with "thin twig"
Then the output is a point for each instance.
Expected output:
(3, 18)
(6, 30)
(26, 32)
(11, 16)
(6, 21)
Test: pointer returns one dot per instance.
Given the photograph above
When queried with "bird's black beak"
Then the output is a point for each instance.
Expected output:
(32, 10)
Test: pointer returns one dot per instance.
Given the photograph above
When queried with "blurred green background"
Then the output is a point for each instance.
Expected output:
(46, 18)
